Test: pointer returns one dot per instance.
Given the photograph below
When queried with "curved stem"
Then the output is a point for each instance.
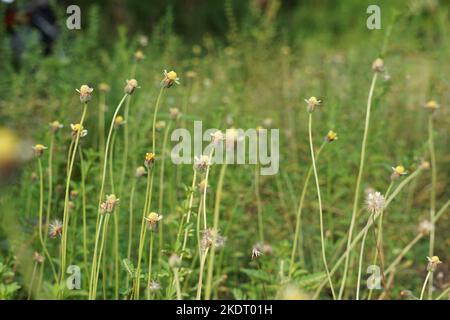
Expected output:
(425, 285)
(432, 197)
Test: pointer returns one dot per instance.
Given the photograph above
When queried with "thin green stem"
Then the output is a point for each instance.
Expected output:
(150, 259)
(425, 285)
(432, 197)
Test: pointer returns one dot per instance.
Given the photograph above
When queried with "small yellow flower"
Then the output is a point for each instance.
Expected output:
(312, 103)
(55, 126)
(170, 78)
(331, 136)
(103, 87)
(433, 262)
(85, 93)
(139, 55)
(398, 171)
(378, 65)
(432, 105)
(119, 121)
(149, 159)
(159, 125)
(131, 86)
(152, 219)
(78, 129)
(39, 150)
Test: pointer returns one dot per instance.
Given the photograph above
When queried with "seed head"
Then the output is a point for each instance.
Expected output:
(149, 159)
(212, 238)
(170, 78)
(375, 202)
(202, 163)
(140, 172)
(433, 262)
(398, 171)
(217, 137)
(143, 40)
(331, 136)
(131, 86)
(312, 103)
(378, 65)
(152, 220)
(154, 286)
(425, 227)
(425, 165)
(85, 93)
(55, 126)
(110, 204)
(55, 229)
(39, 150)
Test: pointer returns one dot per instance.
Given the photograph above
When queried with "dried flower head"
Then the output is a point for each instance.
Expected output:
(39, 150)
(103, 87)
(139, 55)
(73, 194)
(140, 172)
(55, 229)
(397, 172)
(78, 129)
(331, 136)
(119, 121)
(110, 204)
(174, 113)
(149, 159)
(202, 163)
(55, 126)
(212, 238)
(425, 165)
(152, 220)
(312, 103)
(432, 106)
(174, 261)
(375, 202)
(70, 206)
(170, 78)
(378, 65)
(217, 137)
(154, 286)
(38, 258)
(433, 262)
(425, 227)
(85, 93)
(256, 253)
(131, 85)
(143, 40)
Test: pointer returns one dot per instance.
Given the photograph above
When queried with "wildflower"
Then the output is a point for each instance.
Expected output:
(110, 204)
(143, 40)
(378, 65)
(174, 261)
(212, 238)
(131, 86)
(153, 218)
(159, 125)
(425, 227)
(149, 159)
(103, 87)
(312, 103)
(331, 136)
(433, 262)
(217, 136)
(170, 78)
(174, 113)
(78, 130)
(432, 105)
(55, 229)
(85, 93)
(140, 172)
(154, 286)
(55, 126)
(39, 150)
(375, 202)
(202, 163)
(139, 55)
(256, 253)
(118, 122)
(425, 165)
(398, 171)
(38, 258)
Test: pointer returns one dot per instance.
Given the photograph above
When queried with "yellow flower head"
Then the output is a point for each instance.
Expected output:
(149, 159)
(378, 65)
(85, 93)
(331, 136)
(152, 219)
(170, 78)
(131, 85)
(398, 171)
(55, 126)
(159, 125)
(78, 129)
(312, 103)
(119, 121)
(139, 55)
(432, 105)
(39, 150)
(433, 262)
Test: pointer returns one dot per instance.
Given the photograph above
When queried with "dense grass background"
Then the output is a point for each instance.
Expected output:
(251, 65)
